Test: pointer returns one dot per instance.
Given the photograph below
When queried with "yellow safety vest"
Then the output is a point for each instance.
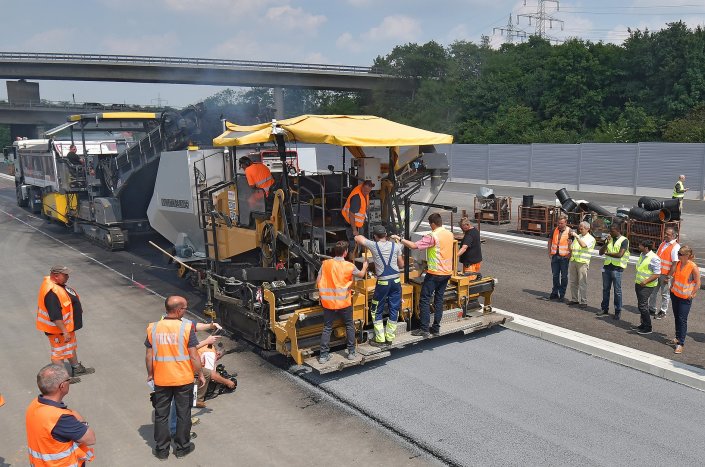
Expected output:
(679, 186)
(580, 254)
(614, 247)
(642, 269)
(440, 256)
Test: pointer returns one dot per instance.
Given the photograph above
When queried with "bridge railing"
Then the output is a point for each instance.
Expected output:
(190, 61)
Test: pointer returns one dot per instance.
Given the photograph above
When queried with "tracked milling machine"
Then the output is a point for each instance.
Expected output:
(257, 258)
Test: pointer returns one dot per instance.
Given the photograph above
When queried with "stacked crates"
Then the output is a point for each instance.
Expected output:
(493, 210)
(537, 219)
(641, 230)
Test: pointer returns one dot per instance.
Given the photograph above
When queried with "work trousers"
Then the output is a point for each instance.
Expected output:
(386, 291)
(329, 316)
(664, 290)
(432, 285)
(642, 299)
(183, 400)
(577, 281)
(612, 278)
(681, 309)
(559, 268)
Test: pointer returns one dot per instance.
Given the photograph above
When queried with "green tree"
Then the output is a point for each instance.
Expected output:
(689, 129)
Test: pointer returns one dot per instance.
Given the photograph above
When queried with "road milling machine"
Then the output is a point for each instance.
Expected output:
(103, 187)
(258, 256)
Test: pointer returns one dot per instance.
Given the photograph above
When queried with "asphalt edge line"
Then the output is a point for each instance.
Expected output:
(665, 368)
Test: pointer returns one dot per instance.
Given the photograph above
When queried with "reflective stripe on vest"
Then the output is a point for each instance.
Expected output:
(679, 186)
(683, 283)
(440, 256)
(43, 322)
(334, 283)
(43, 450)
(665, 250)
(259, 175)
(613, 247)
(388, 272)
(170, 358)
(643, 270)
(362, 214)
(560, 245)
(580, 254)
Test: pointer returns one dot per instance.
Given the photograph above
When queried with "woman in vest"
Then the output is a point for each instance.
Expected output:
(685, 284)
(648, 271)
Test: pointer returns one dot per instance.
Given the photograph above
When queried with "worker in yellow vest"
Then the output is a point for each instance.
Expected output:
(334, 282)
(648, 271)
(56, 435)
(685, 276)
(559, 252)
(580, 250)
(679, 189)
(172, 364)
(668, 253)
(439, 258)
(616, 253)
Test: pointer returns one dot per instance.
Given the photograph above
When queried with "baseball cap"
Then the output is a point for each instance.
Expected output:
(379, 230)
(59, 270)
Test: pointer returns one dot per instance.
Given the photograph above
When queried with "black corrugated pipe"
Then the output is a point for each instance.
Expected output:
(664, 215)
(595, 208)
(569, 205)
(674, 206)
(562, 195)
(650, 204)
(642, 214)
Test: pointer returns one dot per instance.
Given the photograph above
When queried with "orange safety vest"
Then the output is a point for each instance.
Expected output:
(334, 283)
(170, 358)
(362, 214)
(43, 449)
(259, 175)
(439, 257)
(683, 283)
(665, 250)
(560, 245)
(44, 323)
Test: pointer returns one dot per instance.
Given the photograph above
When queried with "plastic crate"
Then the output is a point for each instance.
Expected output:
(493, 210)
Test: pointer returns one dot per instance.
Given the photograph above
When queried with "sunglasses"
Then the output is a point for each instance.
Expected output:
(682, 254)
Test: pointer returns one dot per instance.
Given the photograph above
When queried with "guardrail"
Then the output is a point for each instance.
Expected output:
(198, 62)
(80, 106)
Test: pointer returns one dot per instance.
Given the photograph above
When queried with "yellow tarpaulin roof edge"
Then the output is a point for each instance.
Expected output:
(340, 130)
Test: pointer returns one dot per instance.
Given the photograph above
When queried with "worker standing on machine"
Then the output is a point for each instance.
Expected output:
(334, 282)
(355, 209)
(258, 176)
(388, 262)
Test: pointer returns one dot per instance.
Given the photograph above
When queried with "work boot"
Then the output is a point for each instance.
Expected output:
(324, 357)
(185, 451)
(74, 380)
(352, 355)
(376, 343)
(82, 370)
(195, 420)
(421, 332)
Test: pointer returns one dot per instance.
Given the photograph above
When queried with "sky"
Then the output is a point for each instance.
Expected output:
(348, 32)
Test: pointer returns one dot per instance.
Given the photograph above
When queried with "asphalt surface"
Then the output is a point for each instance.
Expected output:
(504, 398)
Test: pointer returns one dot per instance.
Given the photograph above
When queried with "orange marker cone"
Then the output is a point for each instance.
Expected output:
(2, 400)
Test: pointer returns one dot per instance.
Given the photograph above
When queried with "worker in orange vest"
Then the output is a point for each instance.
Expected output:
(334, 282)
(56, 435)
(559, 252)
(172, 361)
(685, 275)
(355, 209)
(668, 252)
(258, 175)
(60, 315)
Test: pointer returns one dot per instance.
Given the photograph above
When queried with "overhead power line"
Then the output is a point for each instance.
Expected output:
(543, 18)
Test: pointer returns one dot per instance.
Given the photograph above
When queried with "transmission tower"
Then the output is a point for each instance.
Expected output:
(511, 31)
(542, 17)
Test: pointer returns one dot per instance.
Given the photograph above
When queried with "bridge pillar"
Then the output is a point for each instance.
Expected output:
(279, 103)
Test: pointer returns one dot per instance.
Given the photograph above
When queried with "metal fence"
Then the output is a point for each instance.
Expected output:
(635, 169)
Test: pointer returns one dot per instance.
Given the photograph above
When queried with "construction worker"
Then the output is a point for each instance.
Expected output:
(60, 315)
(648, 271)
(73, 157)
(679, 189)
(616, 253)
(668, 253)
(56, 435)
(559, 252)
(388, 262)
(686, 283)
(258, 175)
(470, 252)
(580, 249)
(334, 282)
(355, 209)
(439, 258)
(172, 361)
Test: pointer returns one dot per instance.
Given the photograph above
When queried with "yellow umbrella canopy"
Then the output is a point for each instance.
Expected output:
(340, 130)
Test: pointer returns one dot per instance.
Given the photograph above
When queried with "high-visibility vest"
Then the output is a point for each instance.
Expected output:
(665, 252)
(683, 283)
(439, 257)
(642, 269)
(559, 242)
(44, 323)
(361, 215)
(679, 186)
(260, 176)
(170, 358)
(334, 284)
(43, 449)
(614, 247)
(580, 254)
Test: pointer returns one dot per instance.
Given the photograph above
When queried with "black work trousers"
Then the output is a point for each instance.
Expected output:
(642, 300)
(331, 315)
(183, 400)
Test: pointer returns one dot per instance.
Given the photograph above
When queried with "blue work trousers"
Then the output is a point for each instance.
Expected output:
(612, 278)
(681, 309)
(432, 285)
(559, 268)
(386, 292)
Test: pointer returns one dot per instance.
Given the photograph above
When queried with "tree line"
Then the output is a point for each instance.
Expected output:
(650, 88)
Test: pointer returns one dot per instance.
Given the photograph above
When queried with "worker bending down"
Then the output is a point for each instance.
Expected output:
(334, 282)
(388, 262)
